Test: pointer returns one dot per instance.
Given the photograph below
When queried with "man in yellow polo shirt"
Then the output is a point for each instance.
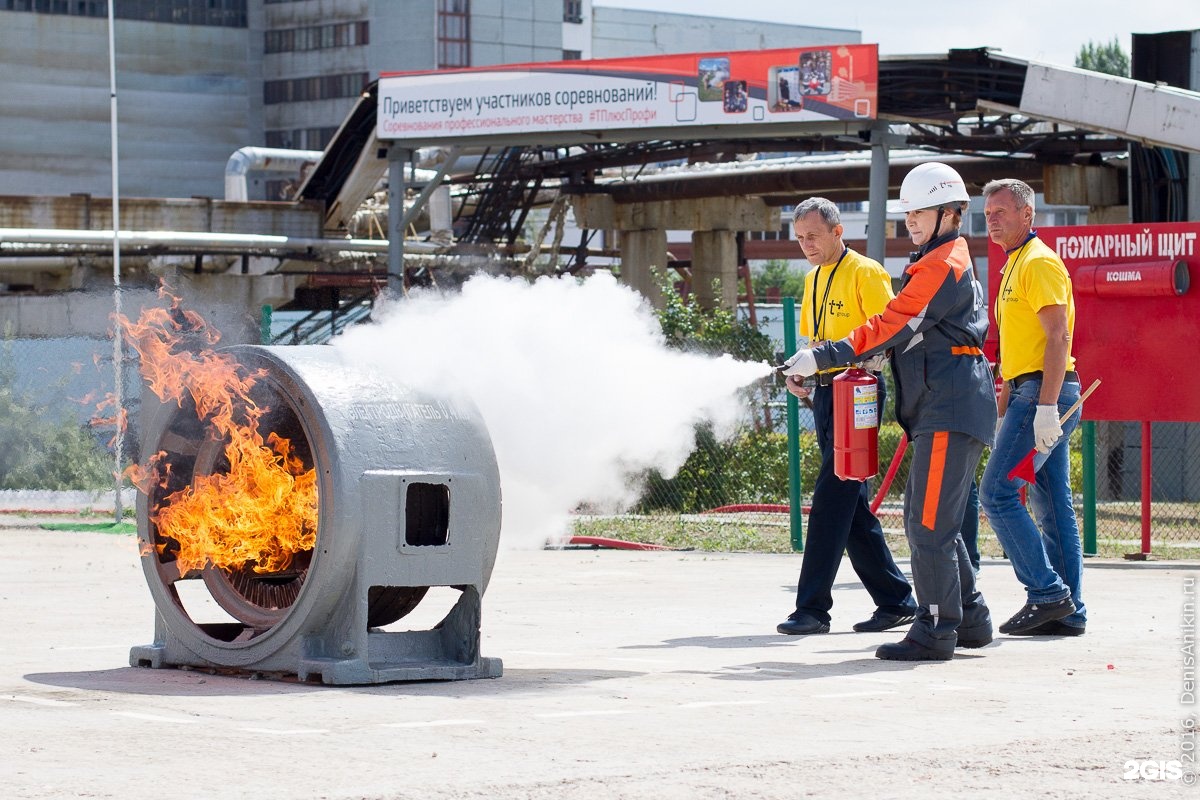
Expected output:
(842, 291)
(1035, 314)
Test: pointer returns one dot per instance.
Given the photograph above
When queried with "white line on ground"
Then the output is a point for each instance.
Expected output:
(712, 703)
(432, 723)
(598, 713)
(639, 660)
(155, 717)
(848, 694)
(535, 653)
(65, 648)
(277, 732)
(37, 701)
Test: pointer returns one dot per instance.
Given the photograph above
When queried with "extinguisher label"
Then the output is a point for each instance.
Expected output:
(866, 407)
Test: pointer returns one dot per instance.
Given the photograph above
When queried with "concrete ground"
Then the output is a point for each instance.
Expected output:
(626, 675)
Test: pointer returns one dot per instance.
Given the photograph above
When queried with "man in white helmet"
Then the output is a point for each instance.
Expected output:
(945, 402)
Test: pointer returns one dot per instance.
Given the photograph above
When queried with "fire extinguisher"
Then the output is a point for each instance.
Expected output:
(855, 425)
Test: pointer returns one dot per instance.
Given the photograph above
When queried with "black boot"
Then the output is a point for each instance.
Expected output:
(908, 650)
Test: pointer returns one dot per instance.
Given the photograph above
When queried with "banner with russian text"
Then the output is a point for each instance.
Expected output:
(815, 84)
(1137, 315)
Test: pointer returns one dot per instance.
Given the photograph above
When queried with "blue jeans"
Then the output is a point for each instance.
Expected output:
(1049, 561)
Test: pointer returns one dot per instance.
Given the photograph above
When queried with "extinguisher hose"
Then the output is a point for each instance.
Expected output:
(891, 473)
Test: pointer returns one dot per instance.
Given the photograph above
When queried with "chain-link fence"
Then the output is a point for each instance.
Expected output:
(734, 494)
(57, 421)
(731, 494)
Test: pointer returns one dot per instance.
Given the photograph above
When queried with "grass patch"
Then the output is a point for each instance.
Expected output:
(690, 532)
(92, 527)
(769, 533)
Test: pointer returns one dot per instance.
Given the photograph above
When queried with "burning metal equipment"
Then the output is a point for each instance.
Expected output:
(314, 502)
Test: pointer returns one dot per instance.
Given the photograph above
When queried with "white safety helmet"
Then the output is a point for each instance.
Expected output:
(928, 186)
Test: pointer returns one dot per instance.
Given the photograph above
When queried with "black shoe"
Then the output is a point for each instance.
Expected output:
(908, 650)
(1034, 615)
(882, 621)
(976, 642)
(1055, 628)
(802, 625)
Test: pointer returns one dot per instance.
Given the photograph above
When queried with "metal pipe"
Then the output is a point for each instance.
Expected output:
(118, 377)
(877, 189)
(397, 159)
(1089, 488)
(265, 159)
(1147, 483)
(208, 241)
(793, 432)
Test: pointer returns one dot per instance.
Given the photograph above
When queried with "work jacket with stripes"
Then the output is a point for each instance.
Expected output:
(935, 327)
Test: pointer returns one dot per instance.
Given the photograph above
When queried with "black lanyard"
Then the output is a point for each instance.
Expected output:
(1008, 273)
(818, 318)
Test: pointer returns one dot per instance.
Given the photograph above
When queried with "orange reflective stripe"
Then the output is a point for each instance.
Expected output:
(933, 484)
(966, 351)
(927, 279)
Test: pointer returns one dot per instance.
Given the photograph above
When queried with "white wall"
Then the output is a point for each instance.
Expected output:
(182, 95)
(619, 32)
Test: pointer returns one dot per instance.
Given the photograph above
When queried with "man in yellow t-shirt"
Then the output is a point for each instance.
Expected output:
(1035, 314)
(842, 291)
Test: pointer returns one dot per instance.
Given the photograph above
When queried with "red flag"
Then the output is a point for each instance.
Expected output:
(1024, 468)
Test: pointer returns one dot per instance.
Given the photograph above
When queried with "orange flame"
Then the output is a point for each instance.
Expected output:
(263, 510)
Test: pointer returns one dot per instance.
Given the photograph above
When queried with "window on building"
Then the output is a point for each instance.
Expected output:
(1064, 216)
(301, 138)
(977, 226)
(319, 37)
(454, 45)
(572, 10)
(572, 55)
(318, 87)
(220, 13)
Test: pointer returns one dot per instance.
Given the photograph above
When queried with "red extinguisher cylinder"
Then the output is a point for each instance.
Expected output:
(855, 425)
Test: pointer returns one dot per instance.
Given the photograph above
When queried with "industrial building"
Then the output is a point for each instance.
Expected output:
(197, 82)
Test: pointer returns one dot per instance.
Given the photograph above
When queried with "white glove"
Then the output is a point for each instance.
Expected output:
(803, 363)
(876, 363)
(1046, 429)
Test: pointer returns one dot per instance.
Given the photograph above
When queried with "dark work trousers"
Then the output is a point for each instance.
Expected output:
(970, 526)
(841, 522)
(939, 482)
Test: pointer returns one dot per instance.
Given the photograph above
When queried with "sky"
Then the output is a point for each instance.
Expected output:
(1052, 30)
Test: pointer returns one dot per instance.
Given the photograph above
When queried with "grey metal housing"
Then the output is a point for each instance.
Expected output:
(390, 459)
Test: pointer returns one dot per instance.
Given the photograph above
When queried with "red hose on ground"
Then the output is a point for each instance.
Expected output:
(774, 508)
(891, 474)
(737, 508)
(761, 508)
(615, 544)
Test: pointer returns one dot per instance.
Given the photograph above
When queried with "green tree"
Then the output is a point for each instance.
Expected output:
(1107, 58)
(778, 274)
(745, 468)
(40, 451)
(715, 331)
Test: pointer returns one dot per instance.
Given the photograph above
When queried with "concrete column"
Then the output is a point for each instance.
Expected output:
(714, 269)
(643, 261)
